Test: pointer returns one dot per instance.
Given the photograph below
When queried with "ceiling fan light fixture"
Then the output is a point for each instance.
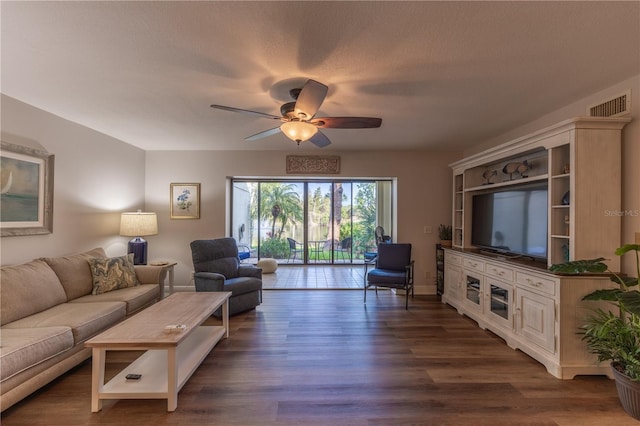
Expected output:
(298, 131)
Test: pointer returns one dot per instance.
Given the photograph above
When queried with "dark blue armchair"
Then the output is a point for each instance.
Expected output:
(393, 268)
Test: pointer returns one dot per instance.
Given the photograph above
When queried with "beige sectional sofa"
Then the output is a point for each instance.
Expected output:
(49, 309)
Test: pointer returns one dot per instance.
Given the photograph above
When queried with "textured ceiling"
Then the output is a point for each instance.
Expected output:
(441, 75)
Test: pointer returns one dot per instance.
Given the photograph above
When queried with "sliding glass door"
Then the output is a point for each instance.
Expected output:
(308, 221)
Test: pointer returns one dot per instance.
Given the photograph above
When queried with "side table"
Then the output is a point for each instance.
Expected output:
(167, 267)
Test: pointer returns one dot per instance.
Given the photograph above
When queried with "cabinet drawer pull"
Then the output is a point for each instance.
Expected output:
(533, 283)
(497, 272)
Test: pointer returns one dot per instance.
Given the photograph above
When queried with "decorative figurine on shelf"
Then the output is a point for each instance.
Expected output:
(566, 222)
(488, 174)
(566, 198)
(566, 169)
(565, 252)
(511, 168)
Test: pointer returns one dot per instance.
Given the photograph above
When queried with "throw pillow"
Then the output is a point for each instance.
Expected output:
(113, 273)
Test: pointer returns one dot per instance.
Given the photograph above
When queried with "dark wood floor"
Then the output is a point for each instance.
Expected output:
(323, 358)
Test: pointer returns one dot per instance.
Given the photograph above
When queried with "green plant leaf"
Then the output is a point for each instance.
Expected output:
(610, 294)
(626, 281)
(580, 266)
(627, 248)
(630, 300)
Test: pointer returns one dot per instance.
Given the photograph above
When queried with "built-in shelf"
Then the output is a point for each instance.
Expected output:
(589, 145)
(508, 183)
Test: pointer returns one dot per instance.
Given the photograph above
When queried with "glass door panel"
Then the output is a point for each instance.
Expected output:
(363, 220)
(320, 230)
(244, 227)
(343, 222)
(280, 215)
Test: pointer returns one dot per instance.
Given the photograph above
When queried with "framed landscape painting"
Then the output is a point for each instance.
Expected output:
(185, 200)
(26, 191)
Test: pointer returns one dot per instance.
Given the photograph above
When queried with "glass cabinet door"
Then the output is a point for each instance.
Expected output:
(473, 290)
(499, 302)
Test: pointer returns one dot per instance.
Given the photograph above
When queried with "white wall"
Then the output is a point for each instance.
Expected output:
(95, 178)
(424, 197)
(630, 154)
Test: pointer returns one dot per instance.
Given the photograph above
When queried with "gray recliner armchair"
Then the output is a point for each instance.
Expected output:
(217, 268)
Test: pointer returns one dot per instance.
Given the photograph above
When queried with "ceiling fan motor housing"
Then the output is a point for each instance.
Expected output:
(287, 110)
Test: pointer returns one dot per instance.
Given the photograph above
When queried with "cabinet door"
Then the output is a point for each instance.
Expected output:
(452, 277)
(535, 318)
(499, 303)
(473, 291)
(439, 269)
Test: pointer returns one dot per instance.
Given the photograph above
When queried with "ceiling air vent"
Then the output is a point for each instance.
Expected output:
(620, 105)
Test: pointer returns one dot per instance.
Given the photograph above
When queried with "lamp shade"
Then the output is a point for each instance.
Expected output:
(138, 224)
(298, 131)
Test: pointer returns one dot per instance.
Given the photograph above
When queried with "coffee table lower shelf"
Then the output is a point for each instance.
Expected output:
(164, 371)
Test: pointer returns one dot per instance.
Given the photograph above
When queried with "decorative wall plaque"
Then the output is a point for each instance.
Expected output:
(313, 164)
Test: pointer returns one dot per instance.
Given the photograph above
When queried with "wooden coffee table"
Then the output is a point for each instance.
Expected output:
(172, 355)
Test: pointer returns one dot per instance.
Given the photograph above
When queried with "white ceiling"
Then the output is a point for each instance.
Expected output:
(441, 75)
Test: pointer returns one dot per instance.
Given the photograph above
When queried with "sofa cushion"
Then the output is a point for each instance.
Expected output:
(136, 298)
(113, 273)
(27, 289)
(85, 319)
(74, 272)
(23, 348)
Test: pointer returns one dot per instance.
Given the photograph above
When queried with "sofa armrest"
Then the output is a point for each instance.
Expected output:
(208, 281)
(148, 274)
(250, 271)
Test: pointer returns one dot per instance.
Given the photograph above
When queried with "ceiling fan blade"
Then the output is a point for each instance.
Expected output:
(320, 140)
(347, 122)
(246, 111)
(263, 134)
(309, 100)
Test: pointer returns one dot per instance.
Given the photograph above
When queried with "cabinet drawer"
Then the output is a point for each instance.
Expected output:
(473, 264)
(498, 271)
(453, 258)
(544, 285)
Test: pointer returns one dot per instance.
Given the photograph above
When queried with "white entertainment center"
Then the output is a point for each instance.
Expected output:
(516, 297)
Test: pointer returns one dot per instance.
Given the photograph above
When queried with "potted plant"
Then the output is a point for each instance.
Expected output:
(615, 336)
(445, 234)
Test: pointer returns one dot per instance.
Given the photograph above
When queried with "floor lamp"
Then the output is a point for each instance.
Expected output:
(138, 224)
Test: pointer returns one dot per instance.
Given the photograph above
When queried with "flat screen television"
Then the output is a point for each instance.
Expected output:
(513, 221)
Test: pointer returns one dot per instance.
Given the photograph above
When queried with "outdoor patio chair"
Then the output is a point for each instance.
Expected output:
(295, 249)
(345, 247)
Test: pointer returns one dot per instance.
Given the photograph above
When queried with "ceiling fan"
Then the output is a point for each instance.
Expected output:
(298, 119)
